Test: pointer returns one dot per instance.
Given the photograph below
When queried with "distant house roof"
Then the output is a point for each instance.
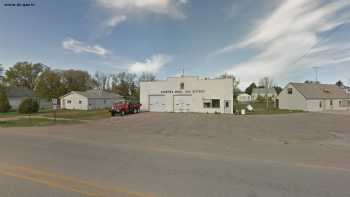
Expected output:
(19, 92)
(96, 94)
(260, 91)
(320, 91)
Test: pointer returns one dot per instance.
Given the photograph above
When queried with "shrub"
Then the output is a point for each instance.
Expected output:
(28, 106)
(4, 101)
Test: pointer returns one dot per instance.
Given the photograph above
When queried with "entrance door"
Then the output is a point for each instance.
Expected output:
(227, 107)
(182, 103)
(157, 103)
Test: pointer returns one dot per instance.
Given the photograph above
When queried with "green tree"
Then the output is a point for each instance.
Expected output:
(24, 74)
(4, 102)
(339, 84)
(1, 70)
(76, 80)
(124, 84)
(278, 89)
(49, 85)
(250, 88)
(28, 106)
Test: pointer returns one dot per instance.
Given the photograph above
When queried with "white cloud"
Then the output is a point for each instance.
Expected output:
(116, 20)
(80, 47)
(286, 35)
(121, 10)
(166, 7)
(153, 64)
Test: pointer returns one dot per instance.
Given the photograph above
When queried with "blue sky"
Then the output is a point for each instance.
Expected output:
(250, 39)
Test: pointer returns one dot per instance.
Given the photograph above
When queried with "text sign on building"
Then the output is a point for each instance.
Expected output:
(182, 91)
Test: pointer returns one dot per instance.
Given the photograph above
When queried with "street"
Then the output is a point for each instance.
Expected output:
(94, 159)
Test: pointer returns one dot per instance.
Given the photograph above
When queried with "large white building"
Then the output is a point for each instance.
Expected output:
(89, 100)
(187, 94)
(313, 97)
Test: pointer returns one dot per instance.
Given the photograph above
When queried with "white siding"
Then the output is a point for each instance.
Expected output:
(71, 101)
(197, 89)
(314, 105)
(294, 101)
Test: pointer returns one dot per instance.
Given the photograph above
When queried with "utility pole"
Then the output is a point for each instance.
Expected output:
(316, 68)
(183, 71)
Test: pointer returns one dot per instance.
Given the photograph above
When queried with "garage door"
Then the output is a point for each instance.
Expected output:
(157, 103)
(182, 103)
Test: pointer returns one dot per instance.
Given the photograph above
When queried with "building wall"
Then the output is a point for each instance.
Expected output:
(198, 89)
(71, 101)
(16, 101)
(244, 98)
(270, 95)
(100, 103)
(294, 101)
(325, 104)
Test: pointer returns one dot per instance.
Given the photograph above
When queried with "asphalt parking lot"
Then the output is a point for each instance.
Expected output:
(174, 154)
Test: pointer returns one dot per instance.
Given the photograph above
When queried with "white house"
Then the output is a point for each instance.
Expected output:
(89, 100)
(244, 98)
(313, 97)
(187, 94)
(263, 92)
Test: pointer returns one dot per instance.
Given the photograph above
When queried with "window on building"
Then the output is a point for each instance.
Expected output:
(331, 102)
(69, 102)
(216, 103)
(340, 104)
(182, 86)
(290, 90)
(320, 104)
(104, 101)
(80, 102)
(207, 103)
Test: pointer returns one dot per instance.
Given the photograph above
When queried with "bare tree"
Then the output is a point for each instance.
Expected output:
(267, 83)
(101, 80)
(147, 76)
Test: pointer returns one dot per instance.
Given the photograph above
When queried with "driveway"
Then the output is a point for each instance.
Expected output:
(167, 154)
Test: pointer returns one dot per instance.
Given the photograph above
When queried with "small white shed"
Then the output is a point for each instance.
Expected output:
(244, 98)
(89, 100)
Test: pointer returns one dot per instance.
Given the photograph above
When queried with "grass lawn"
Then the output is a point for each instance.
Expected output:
(8, 114)
(33, 122)
(260, 108)
(79, 114)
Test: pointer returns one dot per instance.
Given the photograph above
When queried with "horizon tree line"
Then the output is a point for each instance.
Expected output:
(48, 83)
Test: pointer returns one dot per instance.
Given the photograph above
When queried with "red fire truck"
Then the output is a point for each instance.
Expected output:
(123, 108)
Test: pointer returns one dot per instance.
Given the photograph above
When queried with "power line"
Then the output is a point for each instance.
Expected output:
(315, 45)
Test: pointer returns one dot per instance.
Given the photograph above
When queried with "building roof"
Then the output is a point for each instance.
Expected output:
(97, 94)
(320, 91)
(260, 91)
(19, 92)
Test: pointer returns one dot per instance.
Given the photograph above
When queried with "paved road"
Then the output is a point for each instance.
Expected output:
(44, 165)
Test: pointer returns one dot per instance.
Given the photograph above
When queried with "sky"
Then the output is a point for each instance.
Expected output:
(251, 39)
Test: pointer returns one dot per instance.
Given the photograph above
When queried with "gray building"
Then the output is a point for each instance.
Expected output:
(89, 100)
(17, 94)
(263, 92)
(313, 97)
